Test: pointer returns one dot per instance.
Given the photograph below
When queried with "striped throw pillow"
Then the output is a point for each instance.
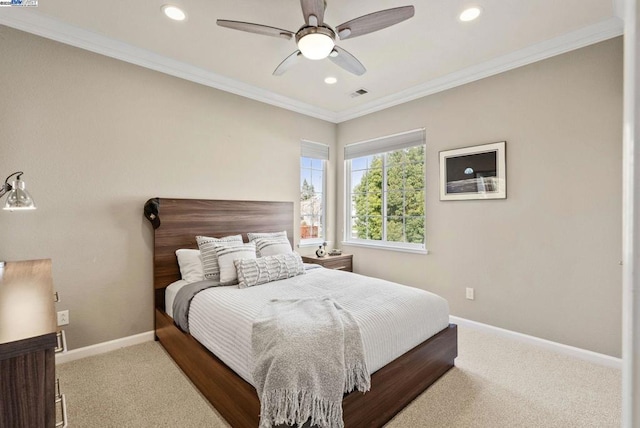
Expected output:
(271, 235)
(227, 254)
(266, 269)
(206, 245)
(255, 235)
(272, 246)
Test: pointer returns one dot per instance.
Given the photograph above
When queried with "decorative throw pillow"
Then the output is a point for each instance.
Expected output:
(190, 264)
(227, 253)
(272, 246)
(266, 269)
(254, 235)
(273, 235)
(209, 257)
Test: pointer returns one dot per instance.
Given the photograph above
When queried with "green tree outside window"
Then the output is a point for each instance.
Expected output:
(388, 200)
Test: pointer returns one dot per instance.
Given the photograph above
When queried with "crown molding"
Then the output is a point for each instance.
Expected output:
(586, 36)
(32, 22)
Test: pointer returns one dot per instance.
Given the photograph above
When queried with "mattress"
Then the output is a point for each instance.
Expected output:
(392, 318)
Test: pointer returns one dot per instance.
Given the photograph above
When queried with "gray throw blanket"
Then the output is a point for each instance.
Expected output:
(183, 298)
(306, 354)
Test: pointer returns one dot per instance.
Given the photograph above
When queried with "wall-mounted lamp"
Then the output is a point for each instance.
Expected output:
(18, 198)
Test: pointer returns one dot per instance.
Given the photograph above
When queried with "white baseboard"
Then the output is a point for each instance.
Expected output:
(101, 348)
(583, 354)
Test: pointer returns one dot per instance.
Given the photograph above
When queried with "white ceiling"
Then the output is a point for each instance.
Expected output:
(430, 52)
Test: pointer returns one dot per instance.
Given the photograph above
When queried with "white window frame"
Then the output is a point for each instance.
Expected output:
(381, 146)
(318, 151)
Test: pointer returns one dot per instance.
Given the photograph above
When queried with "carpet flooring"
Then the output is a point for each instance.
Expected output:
(496, 383)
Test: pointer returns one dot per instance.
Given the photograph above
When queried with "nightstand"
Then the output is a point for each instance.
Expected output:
(342, 262)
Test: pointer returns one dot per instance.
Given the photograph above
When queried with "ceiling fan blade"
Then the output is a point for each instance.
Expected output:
(347, 61)
(374, 21)
(255, 28)
(312, 8)
(288, 62)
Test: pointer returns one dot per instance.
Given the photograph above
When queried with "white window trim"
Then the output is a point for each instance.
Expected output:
(383, 244)
(311, 242)
(317, 151)
(393, 246)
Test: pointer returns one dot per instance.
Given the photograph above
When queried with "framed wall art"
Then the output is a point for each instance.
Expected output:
(477, 172)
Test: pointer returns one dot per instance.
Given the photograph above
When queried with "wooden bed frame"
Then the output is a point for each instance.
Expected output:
(392, 387)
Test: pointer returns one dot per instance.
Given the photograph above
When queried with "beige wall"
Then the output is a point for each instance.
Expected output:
(96, 138)
(543, 262)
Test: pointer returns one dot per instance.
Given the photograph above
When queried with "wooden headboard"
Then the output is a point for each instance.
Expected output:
(182, 219)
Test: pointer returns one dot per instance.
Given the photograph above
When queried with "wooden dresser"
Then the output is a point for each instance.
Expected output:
(28, 342)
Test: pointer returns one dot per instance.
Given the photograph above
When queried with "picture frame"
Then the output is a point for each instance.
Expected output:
(477, 172)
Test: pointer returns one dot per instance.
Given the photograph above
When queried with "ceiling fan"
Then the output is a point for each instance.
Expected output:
(316, 40)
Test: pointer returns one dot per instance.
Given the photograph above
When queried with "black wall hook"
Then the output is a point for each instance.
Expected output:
(152, 211)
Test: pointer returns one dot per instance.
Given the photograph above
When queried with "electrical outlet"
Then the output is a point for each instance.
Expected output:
(63, 317)
(470, 294)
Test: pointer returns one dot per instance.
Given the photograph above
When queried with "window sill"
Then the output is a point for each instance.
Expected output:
(383, 246)
(311, 243)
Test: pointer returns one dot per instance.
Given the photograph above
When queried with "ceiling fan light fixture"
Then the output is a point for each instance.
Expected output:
(315, 42)
(470, 13)
(174, 12)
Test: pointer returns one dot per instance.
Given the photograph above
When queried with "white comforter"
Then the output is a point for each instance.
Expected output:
(393, 318)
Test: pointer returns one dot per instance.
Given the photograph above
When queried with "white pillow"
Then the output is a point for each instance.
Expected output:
(227, 253)
(272, 246)
(190, 264)
(266, 269)
(256, 235)
(209, 258)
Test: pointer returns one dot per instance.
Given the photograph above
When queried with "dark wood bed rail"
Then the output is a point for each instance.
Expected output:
(393, 387)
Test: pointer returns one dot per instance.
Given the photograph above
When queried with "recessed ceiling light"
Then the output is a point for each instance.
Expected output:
(470, 14)
(174, 12)
(330, 80)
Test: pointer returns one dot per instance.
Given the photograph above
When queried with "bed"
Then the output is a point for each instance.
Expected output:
(393, 386)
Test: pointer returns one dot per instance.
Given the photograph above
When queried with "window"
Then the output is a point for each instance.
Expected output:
(386, 191)
(313, 160)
